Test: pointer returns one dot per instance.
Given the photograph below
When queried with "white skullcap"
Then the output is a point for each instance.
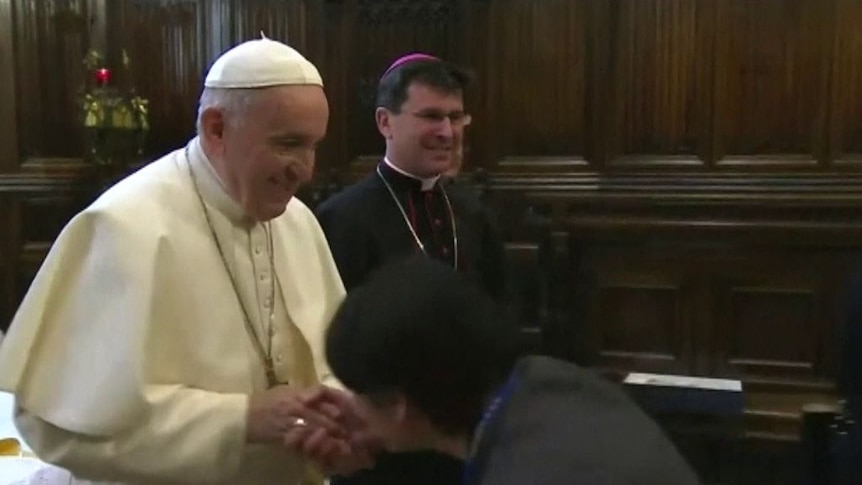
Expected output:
(260, 63)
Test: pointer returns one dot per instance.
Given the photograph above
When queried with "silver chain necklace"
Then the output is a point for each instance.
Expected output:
(264, 354)
(410, 226)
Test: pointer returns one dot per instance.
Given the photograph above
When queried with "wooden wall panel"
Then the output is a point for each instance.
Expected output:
(755, 312)
(846, 102)
(475, 43)
(276, 18)
(662, 82)
(169, 59)
(642, 327)
(50, 211)
(328, 41)
(526, 259)
(540, 50)
(776, 322)
(8, 299)
(8, 106)
(770, 85)
(42, 46)
(51, 39)
(640, 314)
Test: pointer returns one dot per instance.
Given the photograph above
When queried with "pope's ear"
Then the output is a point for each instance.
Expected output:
(212, 125)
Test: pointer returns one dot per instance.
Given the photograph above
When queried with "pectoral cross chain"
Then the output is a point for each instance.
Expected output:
(271, 379)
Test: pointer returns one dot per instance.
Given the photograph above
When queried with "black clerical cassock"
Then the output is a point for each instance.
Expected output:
(388, 215)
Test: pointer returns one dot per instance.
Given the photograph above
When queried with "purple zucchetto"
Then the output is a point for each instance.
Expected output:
(416, 56)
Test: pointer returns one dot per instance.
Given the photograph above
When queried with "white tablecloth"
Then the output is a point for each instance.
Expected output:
(14, 470)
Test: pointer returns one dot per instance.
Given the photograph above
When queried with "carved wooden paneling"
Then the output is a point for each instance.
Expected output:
(46, 215)
(776, 315)
(640, 314)
(530, 290)
(278, 19)
(536, 74)
(770, 83)
(8, 106)
(329, 39)
(474, 43)
(661, 81)
(35, 207)
(641, 327)
(7, 252)
(846, 105)
(393, 12)
(8, 163)
(736, 276)
(42, 46)
(51, 39)
(789, 313)
(169, 59)
(631, 82)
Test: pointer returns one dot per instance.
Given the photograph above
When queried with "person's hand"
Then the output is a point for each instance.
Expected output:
(275, 412)
(345, 464)
(308, 424)
(333, 456)
(336, 402)
(355, 453)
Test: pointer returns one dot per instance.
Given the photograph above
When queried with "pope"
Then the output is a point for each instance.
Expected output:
(174, 333)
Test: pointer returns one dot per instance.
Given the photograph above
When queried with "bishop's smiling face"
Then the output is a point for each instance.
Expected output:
(421, 137)
(268, 153)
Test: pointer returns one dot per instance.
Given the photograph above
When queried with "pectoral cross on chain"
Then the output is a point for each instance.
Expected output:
(271, 379)
(269, 365)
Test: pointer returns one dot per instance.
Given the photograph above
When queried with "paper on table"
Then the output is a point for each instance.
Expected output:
(683, 381)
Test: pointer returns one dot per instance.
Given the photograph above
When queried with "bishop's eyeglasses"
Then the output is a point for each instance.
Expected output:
(457, 119)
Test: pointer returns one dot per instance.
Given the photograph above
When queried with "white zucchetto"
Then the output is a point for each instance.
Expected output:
(261, 63)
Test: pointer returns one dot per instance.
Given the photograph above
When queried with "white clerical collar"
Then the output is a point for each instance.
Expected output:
(427, 183)
(212, 188)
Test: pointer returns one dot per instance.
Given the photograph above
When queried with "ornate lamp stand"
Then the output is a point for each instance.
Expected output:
(115, 119)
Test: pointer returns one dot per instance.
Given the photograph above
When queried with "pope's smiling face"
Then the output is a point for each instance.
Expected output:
(267, 151)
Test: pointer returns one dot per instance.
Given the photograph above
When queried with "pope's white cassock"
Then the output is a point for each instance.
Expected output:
(129, 358)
